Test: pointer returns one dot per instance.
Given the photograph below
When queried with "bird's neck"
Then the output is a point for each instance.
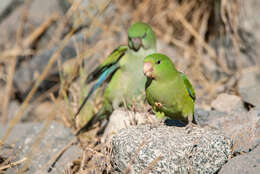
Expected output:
(167, 76)
(143, 52)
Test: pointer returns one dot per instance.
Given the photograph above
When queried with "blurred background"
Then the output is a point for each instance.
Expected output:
(48, 47)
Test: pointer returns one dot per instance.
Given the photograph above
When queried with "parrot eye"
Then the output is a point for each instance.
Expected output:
(158, 62)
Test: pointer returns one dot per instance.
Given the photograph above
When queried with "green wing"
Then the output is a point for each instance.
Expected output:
(103, 71)
(188, 85)
(111, 60)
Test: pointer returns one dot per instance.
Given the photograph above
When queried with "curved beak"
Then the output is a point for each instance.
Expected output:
(148, 69)
(137, 43)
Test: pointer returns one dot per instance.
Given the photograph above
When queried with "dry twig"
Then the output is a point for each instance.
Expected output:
(12, 164)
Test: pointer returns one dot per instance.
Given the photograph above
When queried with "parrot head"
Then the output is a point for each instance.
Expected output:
(141, 35)
(158, 66)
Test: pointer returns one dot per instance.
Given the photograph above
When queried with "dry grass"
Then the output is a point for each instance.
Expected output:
(188, 25)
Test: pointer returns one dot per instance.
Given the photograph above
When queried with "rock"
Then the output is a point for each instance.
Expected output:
(28, 72)
(249, 86)
(242, 127)
(248, 36)
(81, 18)
(4, 4)
(228, 103)
(39, 9)
(65, 5)
(7, 7)
(13, 108)
(25, 76)
(13, 105)
(248, 20)
(127, 119)
(37, 112)
(38, 12)
(247, 163)
(204, 117)
(171, 52)
(210, 69)
(56, 138)
(165, 149)
(41, 110)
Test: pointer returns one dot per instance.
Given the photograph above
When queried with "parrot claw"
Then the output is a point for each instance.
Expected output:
(159, 115)
(190, 127)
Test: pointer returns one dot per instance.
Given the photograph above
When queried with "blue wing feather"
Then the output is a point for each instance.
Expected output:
(103, 71)
(188, 86)
(106, 73)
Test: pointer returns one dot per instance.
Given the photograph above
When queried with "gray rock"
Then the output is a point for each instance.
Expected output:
(248, 19)
(228, 103)
(4, 4)
(231, 117)
(122, 119)
(249, 86)
(169, 150)
(248, 163)
(38, 12)
(65, 5)
(7, 7)
(171, 52)
(56, 137)
(242, 127)
(249, 38)
(39, 9)
(203, 117)
(210, 69)
(25, 76)
(83, 18)
(13, 105)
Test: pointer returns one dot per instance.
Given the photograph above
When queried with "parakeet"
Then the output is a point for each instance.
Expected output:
(123, 70)
(167, 90)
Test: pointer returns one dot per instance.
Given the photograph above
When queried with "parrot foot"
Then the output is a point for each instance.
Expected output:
(159, 115)
(189, 127)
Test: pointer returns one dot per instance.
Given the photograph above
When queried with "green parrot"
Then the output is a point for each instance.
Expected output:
(123, 71)
(167, 90)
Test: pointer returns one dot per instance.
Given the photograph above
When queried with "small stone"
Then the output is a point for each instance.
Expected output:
(205, 117)
(42, 110)
(25, 75)
(228, 103)
(3, 5)
(39, 11)
(242, 127)
(246, 163)
(249, 86)
(81, 18)
(55, 139)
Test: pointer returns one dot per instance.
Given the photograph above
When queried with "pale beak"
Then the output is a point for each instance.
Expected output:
(137, 43)
(148, 69)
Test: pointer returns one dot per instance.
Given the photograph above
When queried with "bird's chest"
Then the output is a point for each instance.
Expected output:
(128, 81)
(163, 99)
(131, 73)
(131, 64)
